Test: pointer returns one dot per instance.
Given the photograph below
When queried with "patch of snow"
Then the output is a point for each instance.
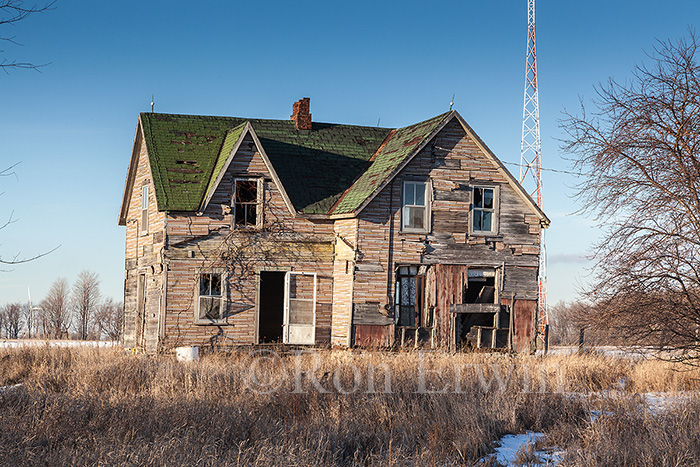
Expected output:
(607, 350)
(8, 389)
(18, 343)
(659, 402)
(509, 445)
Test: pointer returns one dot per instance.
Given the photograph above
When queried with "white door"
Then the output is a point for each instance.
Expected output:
(300, 308)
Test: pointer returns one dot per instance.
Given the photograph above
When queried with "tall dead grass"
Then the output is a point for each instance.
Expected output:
(103, 406)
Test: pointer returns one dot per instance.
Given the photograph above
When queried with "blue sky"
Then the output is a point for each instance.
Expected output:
(71, 126)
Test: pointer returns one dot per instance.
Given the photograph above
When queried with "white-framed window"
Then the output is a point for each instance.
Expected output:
(144, 209)
(211, 297)
(484, 210)
(415, 207)
(247, 194)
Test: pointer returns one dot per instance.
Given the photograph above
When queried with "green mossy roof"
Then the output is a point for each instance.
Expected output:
(316, 167)
(390, 157)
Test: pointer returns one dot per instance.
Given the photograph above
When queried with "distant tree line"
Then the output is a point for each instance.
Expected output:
(79, 312)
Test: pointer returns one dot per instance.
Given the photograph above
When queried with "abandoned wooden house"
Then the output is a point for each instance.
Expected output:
(251, 231)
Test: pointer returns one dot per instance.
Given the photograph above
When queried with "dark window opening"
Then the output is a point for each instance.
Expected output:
(483, 322)
(245, 202)
(480, 290)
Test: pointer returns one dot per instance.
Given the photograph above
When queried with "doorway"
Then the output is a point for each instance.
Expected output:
(271, 306)
(141, 312)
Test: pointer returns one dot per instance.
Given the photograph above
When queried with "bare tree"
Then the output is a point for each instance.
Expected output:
(110, 319)
(11, 320)
(85, 300)
(564, 322)
(12, 12)
(29, 316)
(641, 151)
(55, 311)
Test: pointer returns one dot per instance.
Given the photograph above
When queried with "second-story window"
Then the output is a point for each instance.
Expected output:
(484, 208)
(415, 209)
(246, 200)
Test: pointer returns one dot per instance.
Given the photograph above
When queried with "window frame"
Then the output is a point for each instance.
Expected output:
(258, 203)
(223, 302)
(494, 210)
(145, 193)
(427, 199)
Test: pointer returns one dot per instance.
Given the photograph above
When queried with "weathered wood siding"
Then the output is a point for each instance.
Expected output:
(523, 324)
(453, 163)
(343, 280)
(143, 257)
(207, 241)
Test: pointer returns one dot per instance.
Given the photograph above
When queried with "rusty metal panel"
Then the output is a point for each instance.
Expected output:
(372, 335)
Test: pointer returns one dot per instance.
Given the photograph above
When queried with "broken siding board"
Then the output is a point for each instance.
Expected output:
(369, 313)
(475, 308)
(369, 335)
(521, 282)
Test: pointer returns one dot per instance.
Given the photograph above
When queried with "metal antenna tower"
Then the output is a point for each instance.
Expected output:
(530, 157)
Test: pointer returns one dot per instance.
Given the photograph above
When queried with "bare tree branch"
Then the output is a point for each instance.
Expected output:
(12, 12)
(641, 151)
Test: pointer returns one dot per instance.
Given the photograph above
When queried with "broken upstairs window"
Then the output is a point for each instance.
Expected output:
(245, 203)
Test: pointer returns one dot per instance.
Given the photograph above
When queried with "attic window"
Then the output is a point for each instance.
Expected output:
(246, 200)
(144, 209)
(186, 162)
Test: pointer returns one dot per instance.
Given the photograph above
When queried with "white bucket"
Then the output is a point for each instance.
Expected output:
(187, 354)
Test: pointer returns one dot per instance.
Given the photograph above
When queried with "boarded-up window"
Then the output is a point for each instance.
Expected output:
(210, 297)
(409, 296)
(245, 203)
(484, 216)
(415, 211)
(144, 209)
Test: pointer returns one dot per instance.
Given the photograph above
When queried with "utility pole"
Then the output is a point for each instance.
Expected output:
(530, 161)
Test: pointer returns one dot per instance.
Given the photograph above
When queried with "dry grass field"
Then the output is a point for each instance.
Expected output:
(73, 406)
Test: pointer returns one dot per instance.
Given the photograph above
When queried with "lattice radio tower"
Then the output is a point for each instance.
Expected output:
(530, 162)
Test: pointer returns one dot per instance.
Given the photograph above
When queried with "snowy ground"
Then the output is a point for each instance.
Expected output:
(508, 447)
(15, 343)
(607, 350)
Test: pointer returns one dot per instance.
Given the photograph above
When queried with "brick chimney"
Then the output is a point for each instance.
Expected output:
(301, 115)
